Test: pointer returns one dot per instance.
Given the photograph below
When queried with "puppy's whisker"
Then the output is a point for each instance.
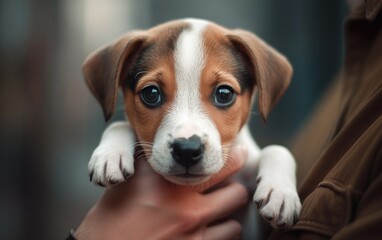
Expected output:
(139, 73)
(226, 151)
(227, 165)
(147, 146)
(140, 153)
(145, 149)
(143, 144)
(254, 113)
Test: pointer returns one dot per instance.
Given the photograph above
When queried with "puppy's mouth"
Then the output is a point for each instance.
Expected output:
(187, 178)
(190, 175)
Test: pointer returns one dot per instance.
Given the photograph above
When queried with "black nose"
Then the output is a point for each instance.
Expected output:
(187, 152)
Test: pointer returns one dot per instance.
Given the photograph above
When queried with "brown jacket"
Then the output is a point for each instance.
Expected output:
(342, 145)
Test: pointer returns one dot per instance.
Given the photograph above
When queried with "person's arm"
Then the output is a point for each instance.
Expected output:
(149, 207)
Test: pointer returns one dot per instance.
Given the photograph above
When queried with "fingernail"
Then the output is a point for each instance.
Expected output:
(258, 180)
(99, 183)
(91, 175)
(126, 175)
(281, 225)
(112, 182)
(258, 203)
(269, 218)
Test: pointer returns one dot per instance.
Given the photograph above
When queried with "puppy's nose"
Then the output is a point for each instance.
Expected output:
(187, 151)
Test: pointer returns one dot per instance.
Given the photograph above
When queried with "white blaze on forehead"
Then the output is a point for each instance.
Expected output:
(189, 63)
(189, 52)
(187, 116)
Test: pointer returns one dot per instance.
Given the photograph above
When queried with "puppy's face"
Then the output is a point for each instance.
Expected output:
(187, 96)
(188, 88)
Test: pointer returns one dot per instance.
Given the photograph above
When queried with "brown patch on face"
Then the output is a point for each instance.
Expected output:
(154, 66)
(221, 66)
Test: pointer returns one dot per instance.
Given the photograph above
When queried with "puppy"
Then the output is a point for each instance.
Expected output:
(188, 87)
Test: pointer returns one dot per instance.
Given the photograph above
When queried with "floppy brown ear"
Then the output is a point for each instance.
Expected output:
(272, 70)
(103, 69)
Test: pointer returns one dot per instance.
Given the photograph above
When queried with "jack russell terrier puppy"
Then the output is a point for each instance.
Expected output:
(188, 87)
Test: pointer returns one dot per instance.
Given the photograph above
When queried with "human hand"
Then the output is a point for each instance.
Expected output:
(149, 207)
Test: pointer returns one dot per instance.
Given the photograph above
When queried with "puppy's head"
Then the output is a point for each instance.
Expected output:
(188, 87)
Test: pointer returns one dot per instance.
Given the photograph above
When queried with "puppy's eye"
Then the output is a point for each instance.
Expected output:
(151, 96)
(224, 96)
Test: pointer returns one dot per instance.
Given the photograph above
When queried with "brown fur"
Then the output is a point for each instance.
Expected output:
(218, 70)
(271, 69)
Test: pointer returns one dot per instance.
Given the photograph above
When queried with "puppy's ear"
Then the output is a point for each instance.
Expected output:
(271, 70)
(103, 69)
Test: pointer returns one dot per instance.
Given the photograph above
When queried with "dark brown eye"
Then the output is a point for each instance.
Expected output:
(151, 96)
(224, 96)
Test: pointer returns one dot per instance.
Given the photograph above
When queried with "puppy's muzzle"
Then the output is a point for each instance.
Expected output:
(187, 151)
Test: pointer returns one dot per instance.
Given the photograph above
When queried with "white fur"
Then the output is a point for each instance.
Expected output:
(276, 189)
(277, 170)
(186, 117)
(113, 159)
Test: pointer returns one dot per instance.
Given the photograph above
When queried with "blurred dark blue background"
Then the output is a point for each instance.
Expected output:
(50, 123)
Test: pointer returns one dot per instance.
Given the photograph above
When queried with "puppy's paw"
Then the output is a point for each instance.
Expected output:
(278, 202)
(109, 166)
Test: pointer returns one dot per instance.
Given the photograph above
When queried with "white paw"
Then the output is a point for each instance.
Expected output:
(109, 166)
(277, 201)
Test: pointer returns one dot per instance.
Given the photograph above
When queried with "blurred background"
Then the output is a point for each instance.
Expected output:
(50, 123)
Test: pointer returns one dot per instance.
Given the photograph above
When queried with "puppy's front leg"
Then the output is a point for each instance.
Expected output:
(276, 195)
(246, 175)
(113, 160)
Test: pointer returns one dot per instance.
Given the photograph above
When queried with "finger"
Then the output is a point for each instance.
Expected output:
(237, 157)
(224, 202)
(230, 229)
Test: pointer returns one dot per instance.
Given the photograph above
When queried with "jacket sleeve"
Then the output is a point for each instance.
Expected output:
(367, 222)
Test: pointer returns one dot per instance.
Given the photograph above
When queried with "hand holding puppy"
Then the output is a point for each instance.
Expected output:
(148, 207)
